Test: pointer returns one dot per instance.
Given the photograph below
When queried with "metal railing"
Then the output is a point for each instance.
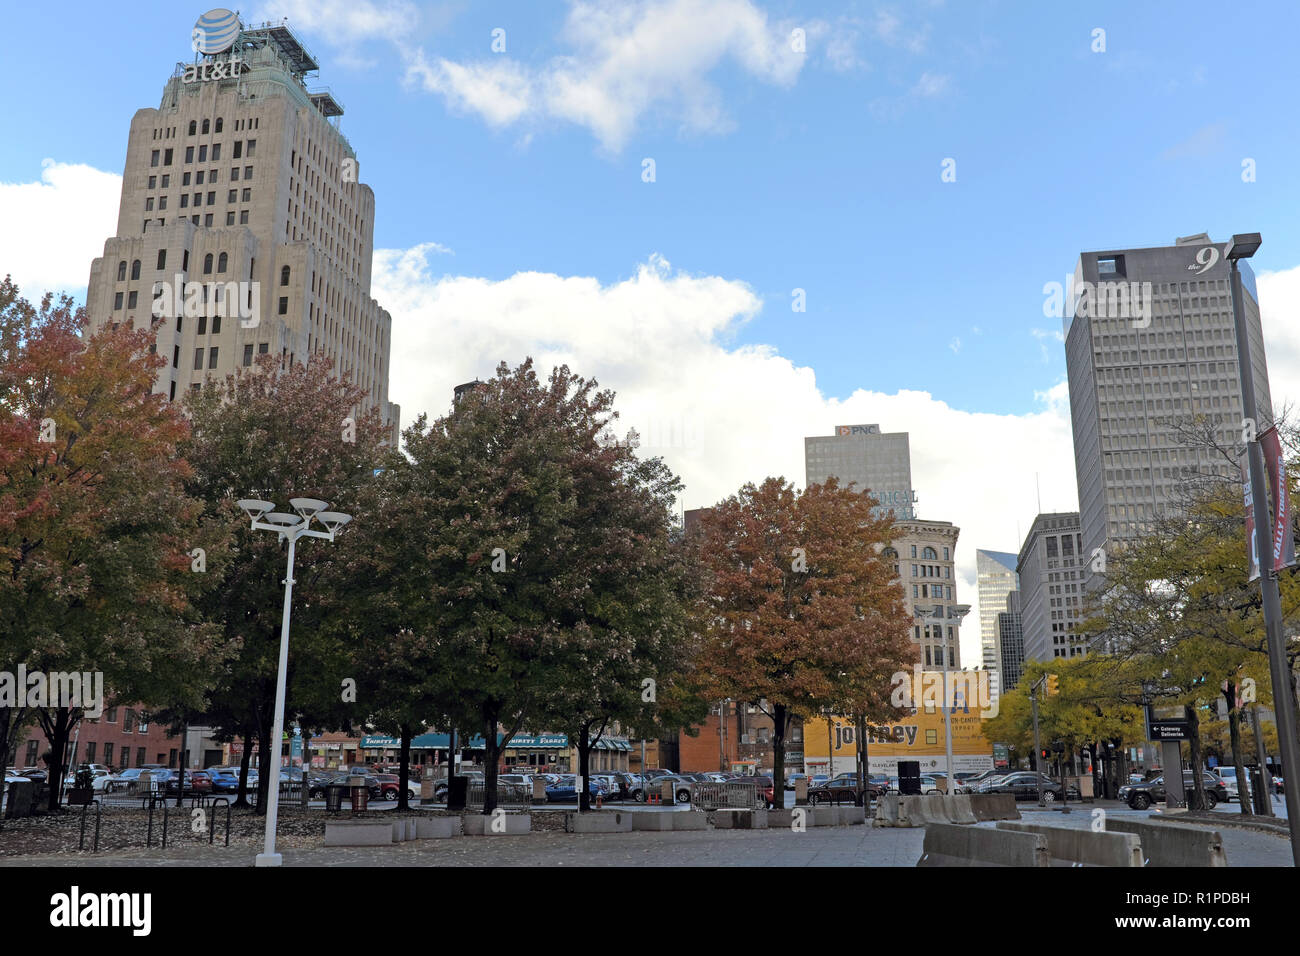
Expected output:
(732, 795)
(508, 796)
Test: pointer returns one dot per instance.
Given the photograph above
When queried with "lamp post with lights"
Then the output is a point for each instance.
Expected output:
(941, 612)
(1244, 246)
(289, 527)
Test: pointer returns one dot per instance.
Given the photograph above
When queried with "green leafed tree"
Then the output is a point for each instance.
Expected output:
(275, 433)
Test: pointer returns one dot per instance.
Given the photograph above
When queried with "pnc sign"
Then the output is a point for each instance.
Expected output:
(857, 429)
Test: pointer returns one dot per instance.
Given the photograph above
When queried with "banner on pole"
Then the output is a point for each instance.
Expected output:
(1275, 466)
(1252, 541)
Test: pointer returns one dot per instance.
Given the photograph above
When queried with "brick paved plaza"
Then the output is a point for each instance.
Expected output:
(817, 846)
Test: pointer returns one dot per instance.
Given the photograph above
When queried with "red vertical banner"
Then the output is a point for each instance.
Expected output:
(1252, 542)
(1275, 464)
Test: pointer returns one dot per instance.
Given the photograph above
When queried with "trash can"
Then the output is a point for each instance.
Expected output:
(457, 792)
(334, 797)
(360, 793)
(909, 777)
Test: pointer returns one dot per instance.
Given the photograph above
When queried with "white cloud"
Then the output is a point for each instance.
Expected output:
(342, 23)
(932, 84)
(1044, 336)
(929, 86)
(1279, 303)
(720, 414)
(626, 61)
(56, 226)
(501, 91)
(955, 345)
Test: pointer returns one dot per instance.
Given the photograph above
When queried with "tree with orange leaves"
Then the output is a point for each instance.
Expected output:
(801, 612)
(97, 537)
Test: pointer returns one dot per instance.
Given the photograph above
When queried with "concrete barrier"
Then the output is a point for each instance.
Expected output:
(690, 821)
(478, 824)
(811, 817)
(1173, 844)
(18, 798)
(887, 811)
(740, 819)
(664, 820)
(994, 806)
(936, 810)
(848, 816)
(601, 821)
(1069, 846)
(959, 808)
(437, 828)
(948, 844)
(359, 833)
(911, 812)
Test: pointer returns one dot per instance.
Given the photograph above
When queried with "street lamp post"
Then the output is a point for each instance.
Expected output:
(1038, 747)
(289, 527)
(1243, 246)
(945, 613)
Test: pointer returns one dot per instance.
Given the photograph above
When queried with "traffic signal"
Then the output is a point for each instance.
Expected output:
(1043, 753)
(1053, 685)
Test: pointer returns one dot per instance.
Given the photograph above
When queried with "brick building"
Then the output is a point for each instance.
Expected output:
(122, 737)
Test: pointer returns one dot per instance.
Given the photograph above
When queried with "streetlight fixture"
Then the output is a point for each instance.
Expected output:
(288, 527)
(1243, 246)
(942, 612)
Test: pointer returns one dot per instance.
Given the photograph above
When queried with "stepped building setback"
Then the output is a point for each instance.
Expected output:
(243, 227)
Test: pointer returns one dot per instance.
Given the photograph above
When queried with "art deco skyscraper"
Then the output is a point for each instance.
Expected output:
(241, 175)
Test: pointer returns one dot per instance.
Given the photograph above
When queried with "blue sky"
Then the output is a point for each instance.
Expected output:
(830, 184)
(513, 219)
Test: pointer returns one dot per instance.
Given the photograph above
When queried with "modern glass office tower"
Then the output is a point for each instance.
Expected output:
(1149, 344)
(241, 181)
(1011, 636)
(995, 577)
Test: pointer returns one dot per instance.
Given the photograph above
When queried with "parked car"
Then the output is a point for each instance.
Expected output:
(100, 780)
(843, 791)
(223, 781)
(630, 786)
(475, 778)
(566, 790)
(34, 775)
(681, 786)
(653, 773)
(391, 786)
(1023, 785)
(125, 780)
(195, 781)
(1139, 796)
(972, 783)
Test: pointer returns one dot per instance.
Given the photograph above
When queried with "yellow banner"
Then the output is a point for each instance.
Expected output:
(921, 735)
